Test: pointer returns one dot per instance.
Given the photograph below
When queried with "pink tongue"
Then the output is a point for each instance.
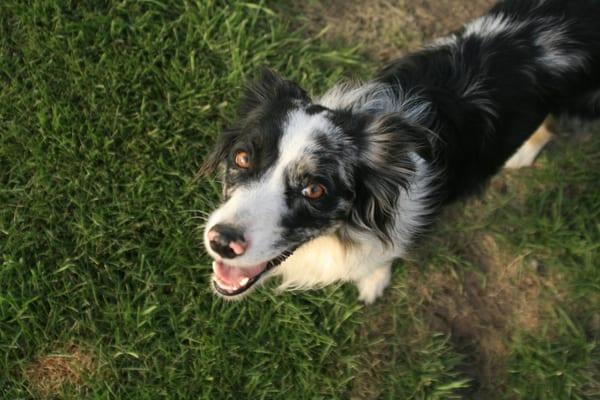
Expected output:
(233, 275)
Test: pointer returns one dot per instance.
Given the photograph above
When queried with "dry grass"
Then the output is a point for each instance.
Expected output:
(48, 375)
(385, 29)
(481, 307)
(378, 356)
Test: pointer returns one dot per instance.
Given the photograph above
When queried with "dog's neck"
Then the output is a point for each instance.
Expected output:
(377, 98)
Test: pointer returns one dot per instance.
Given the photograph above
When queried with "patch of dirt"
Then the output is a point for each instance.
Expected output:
(379, 333)
(390, 340)
(48, 375)
(386, 29)
(484, 304)
(481, 304)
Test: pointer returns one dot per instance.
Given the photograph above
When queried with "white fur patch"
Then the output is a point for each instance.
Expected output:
(377, 98)
(490, 26)
(551, 36)
(371, 286)
(443, 41)
(298, 136)
(371, 97)
(557, 57)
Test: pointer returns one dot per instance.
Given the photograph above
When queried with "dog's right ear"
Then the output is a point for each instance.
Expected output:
(385, 169)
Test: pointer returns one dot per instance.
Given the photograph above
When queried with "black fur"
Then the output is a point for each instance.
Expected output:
(476, 134)
(483, 93)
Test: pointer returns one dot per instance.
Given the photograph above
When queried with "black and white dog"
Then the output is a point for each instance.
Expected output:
(335, 189)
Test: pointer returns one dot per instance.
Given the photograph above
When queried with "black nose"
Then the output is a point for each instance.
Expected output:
(226, 240)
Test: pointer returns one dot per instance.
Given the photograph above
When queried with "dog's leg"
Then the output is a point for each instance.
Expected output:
(371, 286)
(527, 153)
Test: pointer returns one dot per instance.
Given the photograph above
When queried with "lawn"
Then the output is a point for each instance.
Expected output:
(107, 110)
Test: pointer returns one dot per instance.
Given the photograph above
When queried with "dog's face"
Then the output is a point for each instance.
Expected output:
(290, 170)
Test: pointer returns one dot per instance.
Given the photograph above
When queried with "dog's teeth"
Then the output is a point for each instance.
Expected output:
(244, 281)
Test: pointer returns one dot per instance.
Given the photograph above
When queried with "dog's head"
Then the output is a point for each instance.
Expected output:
(294, 170)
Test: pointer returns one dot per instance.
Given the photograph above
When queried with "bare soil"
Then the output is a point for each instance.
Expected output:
(385, 29)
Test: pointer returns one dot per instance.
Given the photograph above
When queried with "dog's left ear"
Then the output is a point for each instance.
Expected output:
(389, 149)
(217, 156)
(268, 88)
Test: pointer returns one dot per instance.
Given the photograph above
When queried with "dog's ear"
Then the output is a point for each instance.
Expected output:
(267, 88)
(386, 167)
(219, 154)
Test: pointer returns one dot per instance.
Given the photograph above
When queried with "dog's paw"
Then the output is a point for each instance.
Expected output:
(371, 286)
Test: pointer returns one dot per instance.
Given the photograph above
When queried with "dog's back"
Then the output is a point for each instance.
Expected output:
(494, 82)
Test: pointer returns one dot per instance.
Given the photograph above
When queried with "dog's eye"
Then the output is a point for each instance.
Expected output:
(314, 191)
(242, 160)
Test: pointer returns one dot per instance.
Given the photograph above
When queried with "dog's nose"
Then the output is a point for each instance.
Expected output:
(226, 240)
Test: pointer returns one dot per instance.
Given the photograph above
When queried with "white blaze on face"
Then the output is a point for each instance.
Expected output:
(257, 207)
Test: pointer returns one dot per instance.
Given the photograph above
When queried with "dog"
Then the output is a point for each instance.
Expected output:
(337, 188)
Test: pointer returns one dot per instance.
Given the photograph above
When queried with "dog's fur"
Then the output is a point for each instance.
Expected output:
(430, 128)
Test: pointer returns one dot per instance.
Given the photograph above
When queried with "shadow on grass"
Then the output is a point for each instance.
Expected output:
(494, 282)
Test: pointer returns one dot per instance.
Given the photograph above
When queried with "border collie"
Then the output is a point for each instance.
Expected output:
(336, 188)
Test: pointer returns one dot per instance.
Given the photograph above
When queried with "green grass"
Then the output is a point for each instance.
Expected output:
(106, 112)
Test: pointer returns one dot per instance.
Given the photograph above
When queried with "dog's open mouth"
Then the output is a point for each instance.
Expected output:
(232, 281)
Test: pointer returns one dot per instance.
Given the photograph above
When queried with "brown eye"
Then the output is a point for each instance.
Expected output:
(313, 191)
(242, 160)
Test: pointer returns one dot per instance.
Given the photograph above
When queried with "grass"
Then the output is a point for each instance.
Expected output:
(106, 112)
